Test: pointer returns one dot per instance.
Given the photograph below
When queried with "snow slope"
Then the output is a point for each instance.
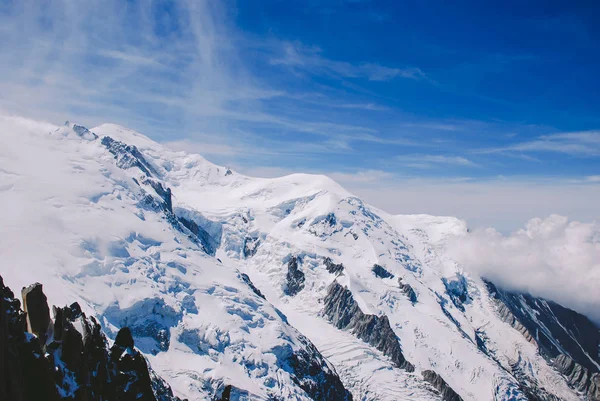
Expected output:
(76, 222)
(176, 267)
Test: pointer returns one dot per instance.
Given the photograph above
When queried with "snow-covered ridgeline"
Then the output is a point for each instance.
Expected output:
(129, 228)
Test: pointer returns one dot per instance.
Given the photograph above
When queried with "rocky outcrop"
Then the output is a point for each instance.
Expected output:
(35, 305)
(567, 339)
(233, 393)
(164, 204)
(209, 244)
(380, 272)
(407, 290)
(343, 311)
(183, 220)
(578, 377)
(309, 371)
(25, 375)
(133, 379)
(324, 226)
(251, 285)
(127, 156)
(226, 394)
(315, 376)
(333, 268)
(558, 330)
(164, 193)
(446, 392)
(505, 314)
(294, 278)
(250, 246)
(72, 362)
(83, 132)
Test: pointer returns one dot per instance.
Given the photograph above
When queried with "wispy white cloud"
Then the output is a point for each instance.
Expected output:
(439, 126)
(593, 178)
(204, 148)
(310, 59)
(249, 146)
(431, 161)
(583, 143)
(362, 106)
(128, 57)
(99, 62)
(362, 177)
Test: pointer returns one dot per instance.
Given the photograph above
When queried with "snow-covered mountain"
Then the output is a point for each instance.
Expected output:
(271, 289)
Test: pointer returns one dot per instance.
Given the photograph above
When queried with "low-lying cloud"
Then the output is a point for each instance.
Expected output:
(552, 258)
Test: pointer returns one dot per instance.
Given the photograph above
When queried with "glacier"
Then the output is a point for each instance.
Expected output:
(288, 288)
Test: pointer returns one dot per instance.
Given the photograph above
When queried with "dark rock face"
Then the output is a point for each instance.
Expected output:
(380, 272)
(133, 380)
(578, 377)
(164, 205)
(343, 311)
(326, 225)
(209, 244)
(251, 246)
(127, 156)
(447, 393)
(226, 394)
(35, 305)
(84, 132)
(558, 330)
(294, 278)
(164, 193)
(307, 366)
(331, 267)
(314, 376)
(507, 316)
(124, 338)
(252, 286)
(24, 374)
(408, 291)
(232, 393)
(567, 339)
(309, 371)
(75, 363)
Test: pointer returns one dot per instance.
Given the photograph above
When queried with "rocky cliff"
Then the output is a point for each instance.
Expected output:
(68, 357)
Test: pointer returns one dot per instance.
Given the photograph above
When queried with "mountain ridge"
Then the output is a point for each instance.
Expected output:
(141, 236)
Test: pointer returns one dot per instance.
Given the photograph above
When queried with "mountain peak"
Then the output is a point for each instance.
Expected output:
(124, 134)
(225, 281)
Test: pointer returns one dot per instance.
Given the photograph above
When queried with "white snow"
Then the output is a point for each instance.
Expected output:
(71, 219)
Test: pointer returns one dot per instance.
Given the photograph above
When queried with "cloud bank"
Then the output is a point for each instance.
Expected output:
(552, 258)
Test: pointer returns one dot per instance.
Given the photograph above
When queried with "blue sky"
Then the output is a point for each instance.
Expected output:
(484, 110)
